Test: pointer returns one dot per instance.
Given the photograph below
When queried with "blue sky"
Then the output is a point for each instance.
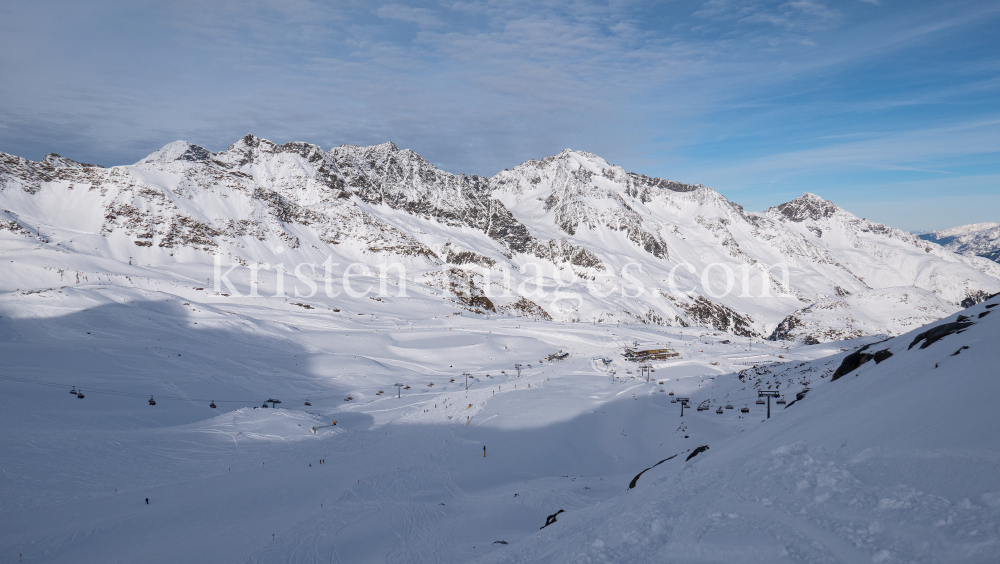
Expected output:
(889, 108)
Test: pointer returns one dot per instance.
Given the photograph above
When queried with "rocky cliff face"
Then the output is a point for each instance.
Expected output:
(570, 236)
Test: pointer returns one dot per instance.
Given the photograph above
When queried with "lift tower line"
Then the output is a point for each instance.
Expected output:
(769, 394)
(683, 403)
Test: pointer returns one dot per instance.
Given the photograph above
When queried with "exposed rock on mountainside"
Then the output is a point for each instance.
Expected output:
(588, 192)
(709, 314)
(403, 180)
(807, 206)
(569, 237)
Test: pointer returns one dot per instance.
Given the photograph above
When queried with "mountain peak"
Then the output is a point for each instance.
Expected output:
(178, 151)
(806, 206)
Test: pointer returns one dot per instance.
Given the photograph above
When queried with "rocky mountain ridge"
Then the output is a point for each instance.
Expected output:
(570, 236)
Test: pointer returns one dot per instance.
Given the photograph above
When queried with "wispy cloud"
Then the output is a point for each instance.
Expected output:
(421, 16)
(749, 93)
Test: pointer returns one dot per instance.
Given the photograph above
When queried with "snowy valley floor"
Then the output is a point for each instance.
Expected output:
(897, 461)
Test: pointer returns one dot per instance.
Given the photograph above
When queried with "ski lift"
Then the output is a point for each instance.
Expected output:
(744, 410)
(729, 406)
(79, 394)
(719, 411)
(152, 401)
(671, 393)
(264, 405)
(761, 402)
(309, 404)
(212, 405)
(73, 391)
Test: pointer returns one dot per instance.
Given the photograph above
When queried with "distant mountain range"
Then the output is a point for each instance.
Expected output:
(570, 238)
(976, 239)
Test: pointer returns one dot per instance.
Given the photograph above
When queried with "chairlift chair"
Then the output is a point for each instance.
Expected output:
(212, 405)
(79, 394)
(719, 411)
(264, 405)
(761, 402)
(673, 401)
(729, 406)
(781, 401)
(309, 404)
(73, 391)
(152, 401)
(744, 410)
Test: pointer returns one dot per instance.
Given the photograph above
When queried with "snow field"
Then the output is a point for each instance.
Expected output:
(222, 481)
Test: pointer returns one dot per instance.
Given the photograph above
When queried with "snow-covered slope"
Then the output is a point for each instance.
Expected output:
(843, 317)
(893, 461)
(977, 239)
(571, 237)
(887, 454)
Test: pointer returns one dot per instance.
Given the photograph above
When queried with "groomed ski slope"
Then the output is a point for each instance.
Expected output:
(894, 462)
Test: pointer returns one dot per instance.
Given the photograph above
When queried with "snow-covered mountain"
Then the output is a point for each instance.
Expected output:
(976, 239)
(570, 238)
